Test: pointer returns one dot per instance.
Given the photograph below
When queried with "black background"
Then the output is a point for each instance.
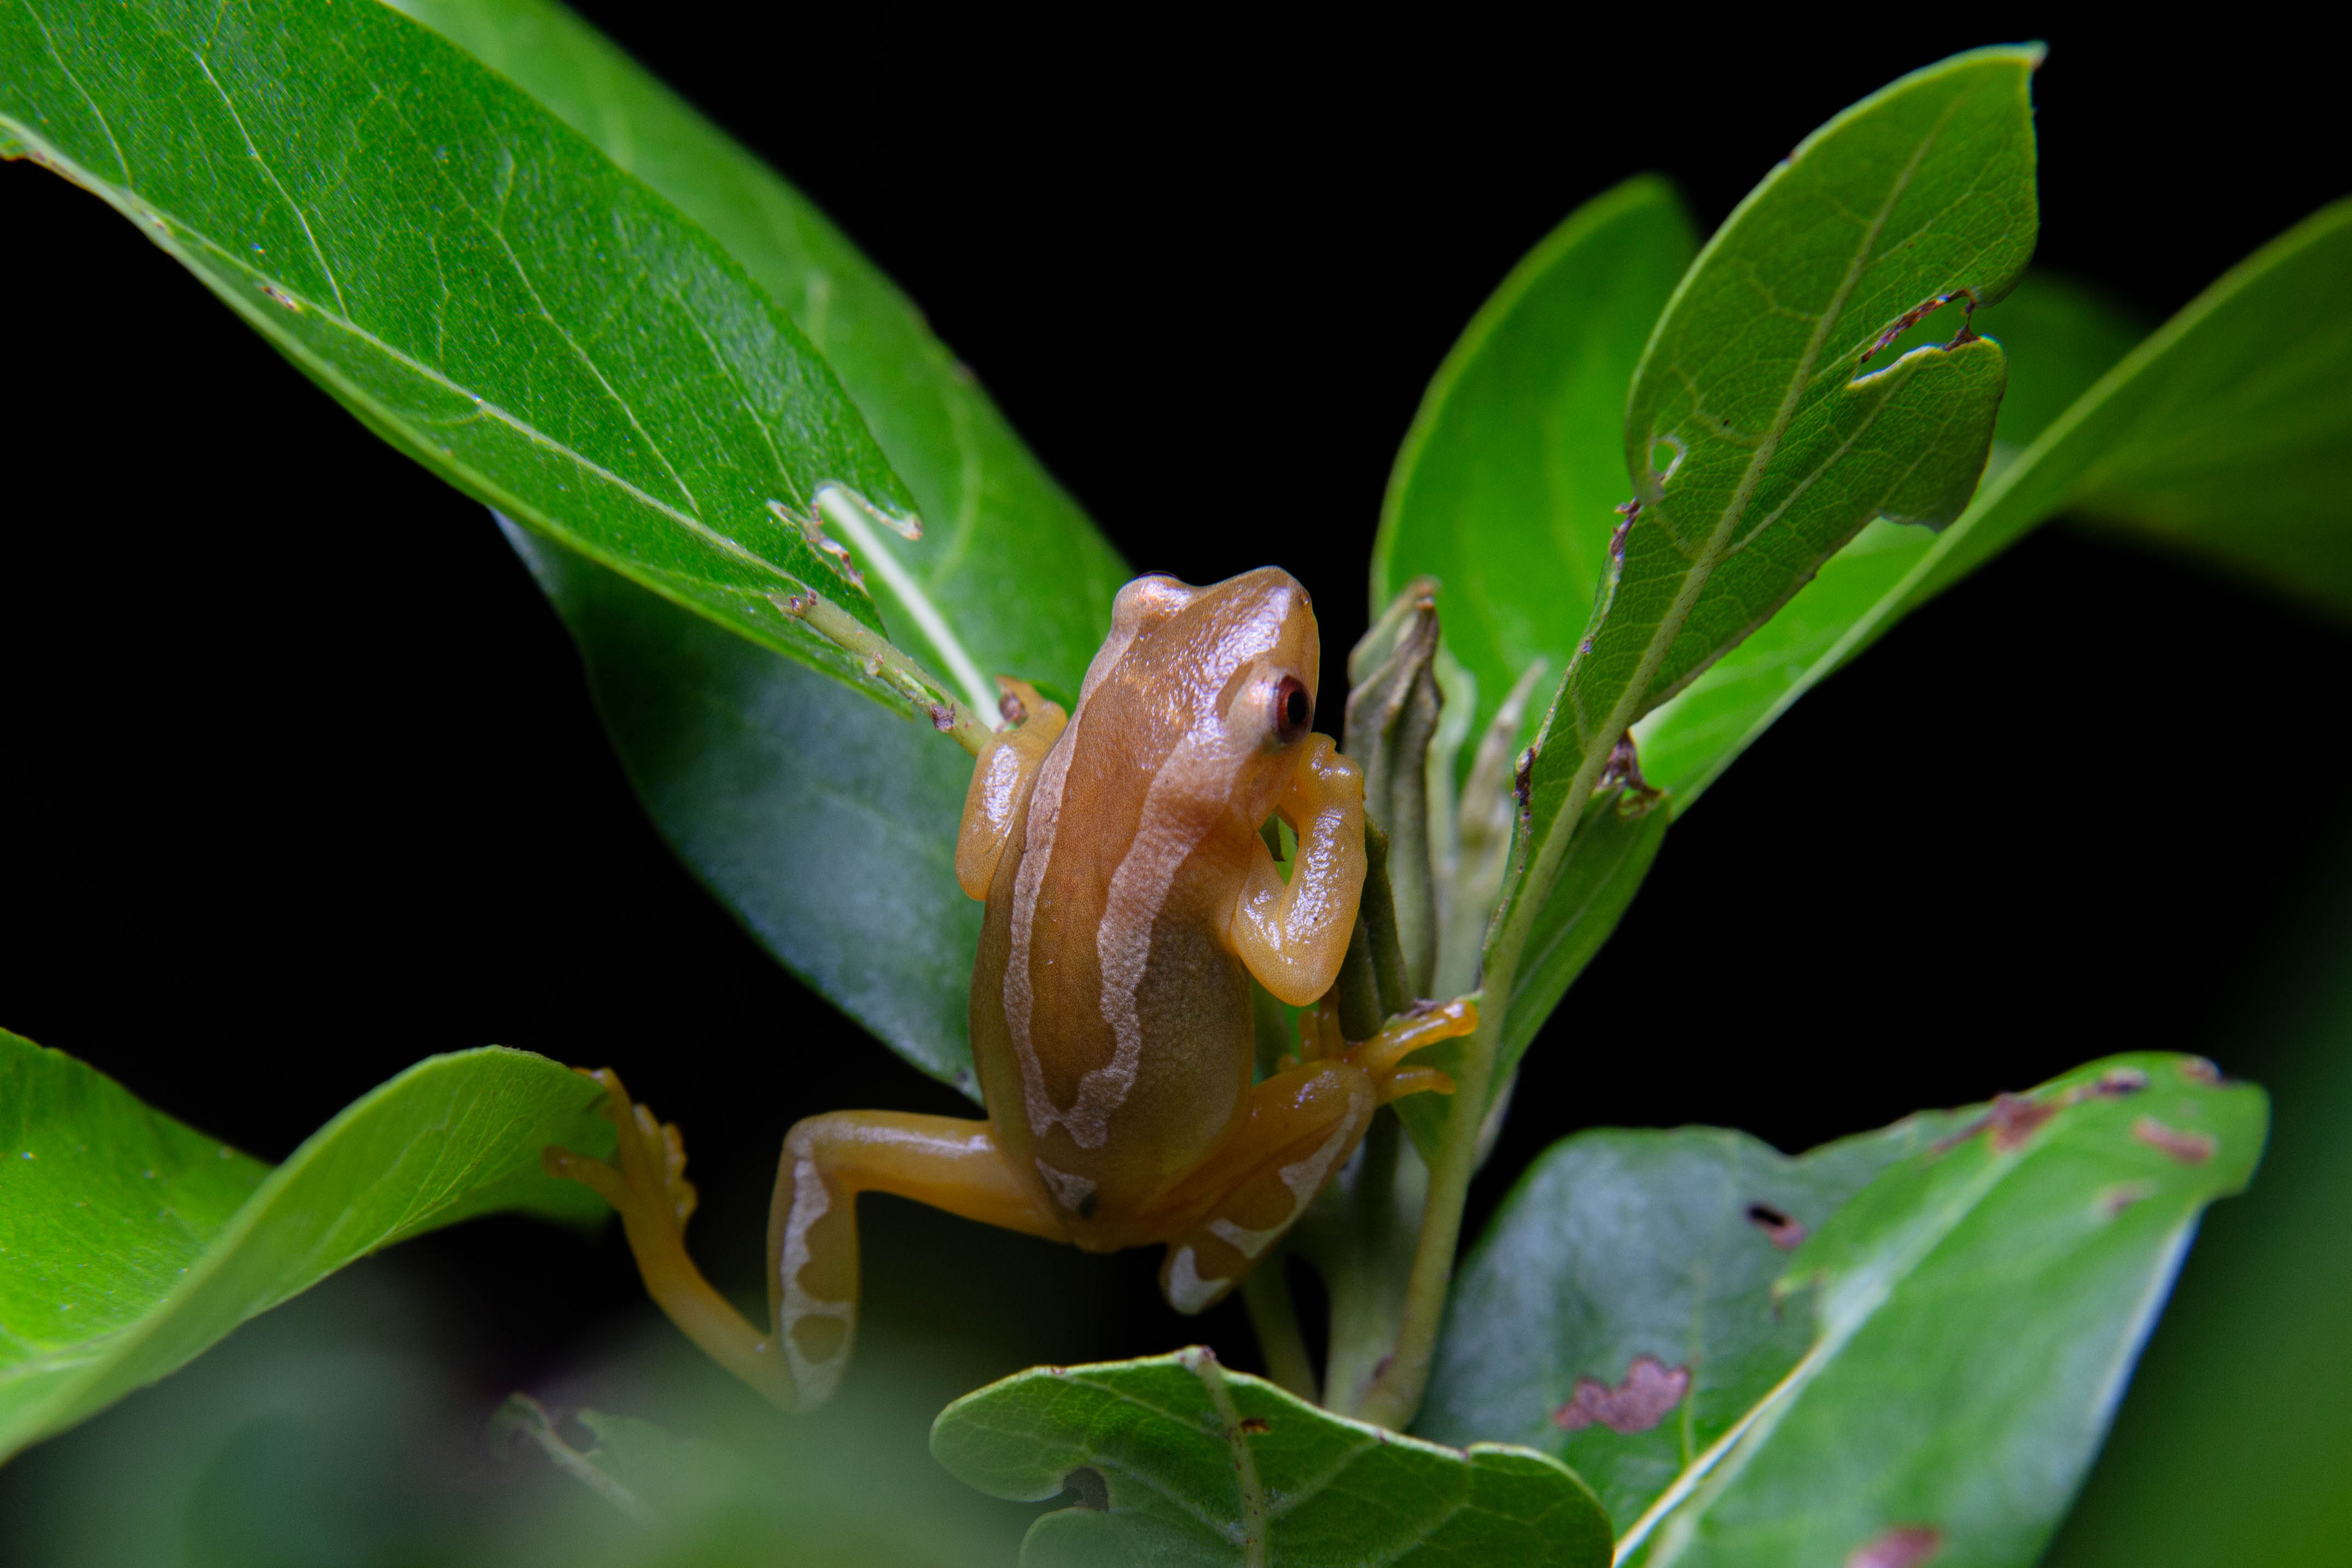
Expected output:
(299, 781)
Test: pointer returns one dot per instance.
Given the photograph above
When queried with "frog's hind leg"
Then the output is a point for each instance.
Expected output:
(812, 1228)
(1300, 1128)
(828, 1160)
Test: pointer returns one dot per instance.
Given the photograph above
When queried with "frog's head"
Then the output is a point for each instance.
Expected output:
(1212, 689)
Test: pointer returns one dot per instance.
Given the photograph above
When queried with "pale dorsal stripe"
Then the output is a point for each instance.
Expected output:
(1036, 849)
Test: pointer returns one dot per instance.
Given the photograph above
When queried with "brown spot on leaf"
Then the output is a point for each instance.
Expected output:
(1784, 1230)
(1904, 1546)
(2189, 1149)
(2013, 1119)
(2114, 1201)
(2197, 1070)
(1650, 1389)
(1257, 1426)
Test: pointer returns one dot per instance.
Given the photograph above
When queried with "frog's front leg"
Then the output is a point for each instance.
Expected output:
(1299, 1128)
(1294, 935)
(812, 1228)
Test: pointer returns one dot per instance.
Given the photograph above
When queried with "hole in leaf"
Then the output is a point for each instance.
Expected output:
(1085, 1487)
(1665, 457)
(1782, 1230)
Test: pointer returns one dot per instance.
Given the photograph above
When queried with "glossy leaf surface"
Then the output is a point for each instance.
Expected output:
(474, 280)
(2241, 345)
(1507, 486)
(825, 822)
(128, 1243)
(1974, 1313)
(1176, 1460)
(1009, 576)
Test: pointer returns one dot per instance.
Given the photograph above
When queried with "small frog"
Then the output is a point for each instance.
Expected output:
(1130, 898)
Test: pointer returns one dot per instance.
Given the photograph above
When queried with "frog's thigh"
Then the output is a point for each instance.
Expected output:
(813, 1227)
(1301, 1127)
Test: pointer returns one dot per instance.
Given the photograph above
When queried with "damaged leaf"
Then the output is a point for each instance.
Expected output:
(1760, 436)
(1620, 1247)
(129, 1244)
(1174, 1459)
(1996, 1284)
(2262, 347)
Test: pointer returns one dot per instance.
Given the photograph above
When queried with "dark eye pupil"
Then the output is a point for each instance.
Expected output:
(1293, 710)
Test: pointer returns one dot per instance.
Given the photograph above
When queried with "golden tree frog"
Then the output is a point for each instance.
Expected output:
(1130, 898)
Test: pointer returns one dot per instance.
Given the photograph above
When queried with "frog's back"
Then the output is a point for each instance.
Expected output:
(1112, 1022)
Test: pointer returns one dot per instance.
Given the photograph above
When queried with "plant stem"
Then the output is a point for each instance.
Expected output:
(1394, 1397)
(1274, 1317)
(886, 661)
(1361, 1237)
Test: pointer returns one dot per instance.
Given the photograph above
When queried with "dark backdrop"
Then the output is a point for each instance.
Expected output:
(299, 781)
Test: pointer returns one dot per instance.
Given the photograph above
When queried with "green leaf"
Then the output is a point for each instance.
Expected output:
(1619, 1245)
(1506, 487)
(471, 278)
(2238, 449)
(1975, 1311)
(2061, 337)
(1010, 577)
(1758, 440)
(129, 1244)
(825, 823)
(764, 781)
(2241, 345)
(1176, 1460)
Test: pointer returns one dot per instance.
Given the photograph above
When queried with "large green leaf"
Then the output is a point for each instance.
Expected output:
(766, 783)
(1975, 1311)
(472, 279)
(1009, 577)
(2267, 343)
(128, 1243)
(1759, 437)
(1618, 1246)
(826, 823)
(1176, 1460)
(1507, 486)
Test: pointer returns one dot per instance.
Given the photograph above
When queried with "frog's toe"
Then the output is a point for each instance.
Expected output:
(647, 1171)
(1409, 1032)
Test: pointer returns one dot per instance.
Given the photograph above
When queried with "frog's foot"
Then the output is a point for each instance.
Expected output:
(1381, 1056)
(648, 1167)
(646, 1182)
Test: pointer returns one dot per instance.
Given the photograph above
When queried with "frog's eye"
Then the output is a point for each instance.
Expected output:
(1293, 710)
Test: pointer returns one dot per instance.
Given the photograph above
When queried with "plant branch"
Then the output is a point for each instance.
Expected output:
(1395, 1394)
